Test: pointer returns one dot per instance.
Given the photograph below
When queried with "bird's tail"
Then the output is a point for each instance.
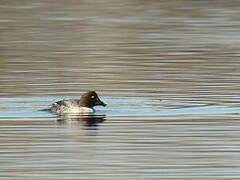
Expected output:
(45, 110)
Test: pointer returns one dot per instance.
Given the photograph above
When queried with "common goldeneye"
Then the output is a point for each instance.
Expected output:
(83, 105)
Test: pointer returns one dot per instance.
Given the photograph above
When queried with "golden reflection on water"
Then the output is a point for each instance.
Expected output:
(169, 70)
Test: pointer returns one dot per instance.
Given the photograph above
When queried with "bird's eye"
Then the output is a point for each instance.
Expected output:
(92, 97)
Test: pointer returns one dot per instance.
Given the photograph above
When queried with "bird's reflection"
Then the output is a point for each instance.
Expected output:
(82, 120)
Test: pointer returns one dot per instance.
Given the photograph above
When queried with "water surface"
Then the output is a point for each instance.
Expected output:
(169, 72)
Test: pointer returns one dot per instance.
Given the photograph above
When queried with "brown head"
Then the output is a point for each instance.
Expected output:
(91, 99)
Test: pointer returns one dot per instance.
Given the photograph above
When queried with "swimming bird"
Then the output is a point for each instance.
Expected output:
(84, 105)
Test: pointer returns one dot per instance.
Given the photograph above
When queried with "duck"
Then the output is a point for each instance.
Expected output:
(84, 105)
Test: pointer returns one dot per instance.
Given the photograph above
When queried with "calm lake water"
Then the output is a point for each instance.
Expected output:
(168, 70)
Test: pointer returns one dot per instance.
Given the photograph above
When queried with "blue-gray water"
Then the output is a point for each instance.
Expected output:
(168, 70)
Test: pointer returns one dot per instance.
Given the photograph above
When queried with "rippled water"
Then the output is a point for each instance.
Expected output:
(169, 72)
